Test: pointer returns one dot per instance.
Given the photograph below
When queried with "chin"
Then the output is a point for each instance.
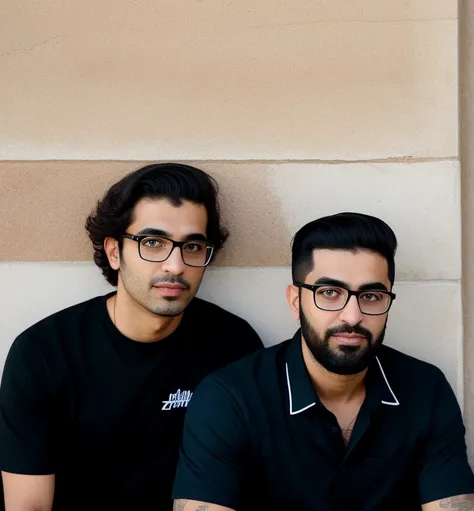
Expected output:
(167, 313)
(352, 361)
(168, 308)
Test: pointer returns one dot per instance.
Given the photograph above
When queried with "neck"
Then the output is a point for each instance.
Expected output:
(137, 323)
(332, 387)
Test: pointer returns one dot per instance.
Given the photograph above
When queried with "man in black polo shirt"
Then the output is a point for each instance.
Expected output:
(93, 398)
(331, 419)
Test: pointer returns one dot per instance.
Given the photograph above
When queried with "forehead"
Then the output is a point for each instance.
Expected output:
(354, 267)
(163, 215)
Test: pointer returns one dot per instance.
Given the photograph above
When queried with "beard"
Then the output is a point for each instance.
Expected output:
(344, 359)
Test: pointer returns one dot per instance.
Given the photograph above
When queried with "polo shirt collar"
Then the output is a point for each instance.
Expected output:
(378, 384)
(301, 394)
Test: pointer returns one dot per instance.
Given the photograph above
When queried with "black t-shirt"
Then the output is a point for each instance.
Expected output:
(104, 413)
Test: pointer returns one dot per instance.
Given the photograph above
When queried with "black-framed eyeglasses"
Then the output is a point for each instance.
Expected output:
(372, 302)
(156, 249)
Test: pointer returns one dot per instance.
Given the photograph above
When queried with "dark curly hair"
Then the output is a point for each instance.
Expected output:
(173, 181)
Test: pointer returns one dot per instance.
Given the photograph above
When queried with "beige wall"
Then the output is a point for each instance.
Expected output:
(299, 109)
(467, 182)
(228, 79)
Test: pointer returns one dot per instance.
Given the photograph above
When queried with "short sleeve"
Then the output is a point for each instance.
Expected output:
(214, 448)
(28, 433)
(445, 470)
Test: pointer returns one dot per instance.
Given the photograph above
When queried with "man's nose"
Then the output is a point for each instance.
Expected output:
(351, 313)
(174, 264)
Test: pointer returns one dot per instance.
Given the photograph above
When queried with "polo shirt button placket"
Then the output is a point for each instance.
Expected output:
(343, 471)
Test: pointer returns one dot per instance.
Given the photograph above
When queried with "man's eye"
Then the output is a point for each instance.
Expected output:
(193, 247)
(153, 242)
(329, 292)
(371, 297)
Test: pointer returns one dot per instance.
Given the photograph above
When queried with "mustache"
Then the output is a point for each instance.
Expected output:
(171, 279)
(347, 329)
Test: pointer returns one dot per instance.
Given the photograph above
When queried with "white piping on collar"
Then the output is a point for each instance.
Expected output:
(396, 402)
(294, 412)
(291, 399)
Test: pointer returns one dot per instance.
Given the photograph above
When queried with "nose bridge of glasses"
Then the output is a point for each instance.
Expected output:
(176, 246)
(351, 310)
(353, 297)
(173, 258)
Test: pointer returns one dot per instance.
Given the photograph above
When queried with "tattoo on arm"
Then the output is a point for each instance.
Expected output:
(459, 502)
(179, 505)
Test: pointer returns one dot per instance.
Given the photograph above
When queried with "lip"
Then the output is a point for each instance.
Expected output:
(350, 340)
(169, 285)
(170, 289)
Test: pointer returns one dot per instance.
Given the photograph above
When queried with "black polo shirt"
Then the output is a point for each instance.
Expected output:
(256, 437)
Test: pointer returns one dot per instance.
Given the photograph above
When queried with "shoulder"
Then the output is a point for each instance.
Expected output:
(240, 378)
(233, 390)
(51, 329)
(222, 329)
(406, 365)
(415, 380)
(200, 308)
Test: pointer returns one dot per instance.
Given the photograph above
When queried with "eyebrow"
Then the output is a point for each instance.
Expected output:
(328, 281)
(150, 231)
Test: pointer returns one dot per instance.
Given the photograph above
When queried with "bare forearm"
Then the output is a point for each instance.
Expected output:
(465, 502)
(195, 505)
(25, 507)
(28, 493)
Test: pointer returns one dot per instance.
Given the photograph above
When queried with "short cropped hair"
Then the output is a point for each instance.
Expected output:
(343, 231)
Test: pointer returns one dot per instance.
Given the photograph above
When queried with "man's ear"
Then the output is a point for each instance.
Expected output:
(111, 247)
(292, 295)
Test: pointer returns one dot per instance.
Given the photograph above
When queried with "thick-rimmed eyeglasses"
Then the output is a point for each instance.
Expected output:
(157, 249)
(333, 298)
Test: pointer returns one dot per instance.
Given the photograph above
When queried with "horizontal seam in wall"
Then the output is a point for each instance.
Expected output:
(349, 20)
(221, 269)
(396, 159)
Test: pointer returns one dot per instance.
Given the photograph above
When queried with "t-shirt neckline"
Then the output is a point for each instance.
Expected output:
(138, 347)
